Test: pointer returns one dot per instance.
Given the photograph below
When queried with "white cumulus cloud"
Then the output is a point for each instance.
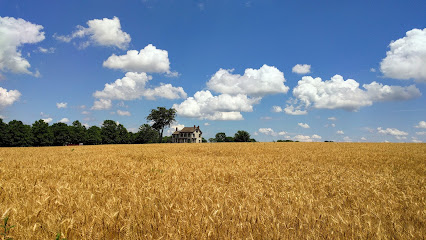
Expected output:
(123, 113)
(264, 81)
(47, 120)
(422, 124)
(332, 118)
(406, 58)
(338, 93)
(133, 86)
(303, 125)
(103, 32)
(13, 34)
(301, 69)
(7, 98)
(102, 104)
(276, 109)
(391, 131)
(305, 138)
(340, 132)
(291, 110)
(222, 107)
(61, 105)
(149, 59)
(64, 120)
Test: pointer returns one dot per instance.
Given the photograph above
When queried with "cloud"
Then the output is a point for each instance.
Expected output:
(303, 125)
(333, 125)
(372, 70)
(7, 98)
(276, 109)
(206, 124)
(85, 112)
(264, 81)
(421, 133)
(340, 132)
(391, 131)
(13, 34)
(416, 141)
(291, 110)
(267, 131)
(45, 50)
(271, 132)
(363, 139)
(301, 69)
(64, 120)
(47, 120)
(103, 32)
(422, 124)
(347, 139)
(149, 59)
(61, 105)
(133, 86)
(173, 127)
(223, 107)
(332, 118)
(102, 104)
(338, 93)
(303, 138)
(123, 113)
(406, 58)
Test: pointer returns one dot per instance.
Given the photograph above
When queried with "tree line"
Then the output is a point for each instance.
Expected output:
(17, 134)
(240, 136)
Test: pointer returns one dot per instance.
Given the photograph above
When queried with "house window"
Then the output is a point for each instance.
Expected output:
(193, 135)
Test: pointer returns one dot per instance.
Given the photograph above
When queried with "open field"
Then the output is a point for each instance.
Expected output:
(226, 191)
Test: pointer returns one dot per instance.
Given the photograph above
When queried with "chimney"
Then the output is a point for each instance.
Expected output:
(176, 129)
(194, 126)
(198, 127)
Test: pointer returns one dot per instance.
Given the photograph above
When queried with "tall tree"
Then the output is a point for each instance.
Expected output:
(94, 136)
(109, 132)
(3, 133)
(42, 134)
(242, 136)
(19, 134)
(78, 132)
(61, 134)
(162, 118)
(122, 135)
(220, 137)
(146, 134)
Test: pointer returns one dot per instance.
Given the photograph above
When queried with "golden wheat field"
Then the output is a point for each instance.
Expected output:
(215, 191)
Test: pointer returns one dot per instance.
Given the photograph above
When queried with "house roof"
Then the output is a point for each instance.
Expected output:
(187, 130)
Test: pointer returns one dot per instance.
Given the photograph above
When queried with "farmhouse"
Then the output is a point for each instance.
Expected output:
(187, 135)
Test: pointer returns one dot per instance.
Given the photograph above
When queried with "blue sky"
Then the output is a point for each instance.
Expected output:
(308, 71)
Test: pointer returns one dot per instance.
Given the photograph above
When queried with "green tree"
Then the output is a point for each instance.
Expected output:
(242, 136)
(229, 139)
(146, 134)
(42, 134)
(78, 132)
(109, 132)
(220, 137)
(122, 135)
(162, 118)
(204, 140)
(61, 134)
(19, 134)
(212, 140)
(94, 136)
(3, 133)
